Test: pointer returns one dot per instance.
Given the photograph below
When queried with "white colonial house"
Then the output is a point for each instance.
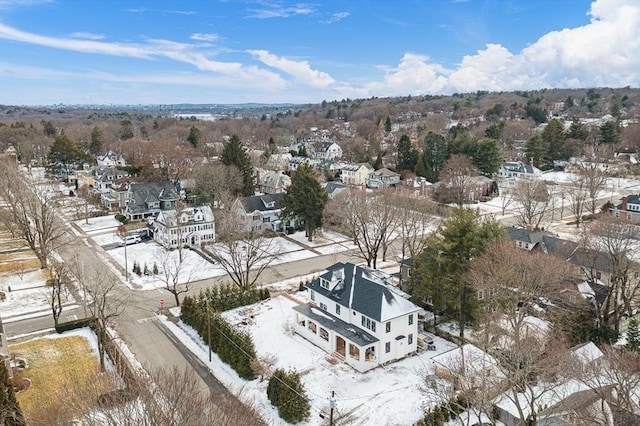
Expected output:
(356, 174)
(328, 151)
(110, 159)
(511, 171)
(628, 208)
(356, 315)
(383, 178)
(191, 227)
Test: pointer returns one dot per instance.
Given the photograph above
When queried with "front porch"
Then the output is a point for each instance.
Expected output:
(345, 341)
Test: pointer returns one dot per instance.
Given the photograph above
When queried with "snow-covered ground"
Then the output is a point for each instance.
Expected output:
(193, 268)
(100, 223)
(393, 394)
(28, 295)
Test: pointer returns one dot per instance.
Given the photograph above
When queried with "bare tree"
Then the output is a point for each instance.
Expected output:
(413, 223)
(58, 283)
(175, 274)
(615, 379)
(609, 246)
(594, 181)
(106, 304)
(243, 253)
(458, 179)
(507, 199)
(212, 179)
(29, 214)
(578, 196)
(532, 202)
(364, 218)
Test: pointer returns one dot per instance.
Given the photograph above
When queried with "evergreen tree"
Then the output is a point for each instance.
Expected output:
(234, 154)
(65, 151)
(10, 412)
(95, 146)
(155, 268)
(48, 128)
(286, 392)
(407, 155)
(387, 125)
(488, 157)
(534, 150)
(577, 130)
(194, 136)
(553, 139)
(609, 133)
(305, 199)
(439, 269)
(433, 157)
(495, 131)
(633, 335)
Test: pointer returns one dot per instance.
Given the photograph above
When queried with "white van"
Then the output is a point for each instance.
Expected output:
(130, 239)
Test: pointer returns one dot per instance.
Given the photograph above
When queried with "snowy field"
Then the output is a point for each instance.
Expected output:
(390, 395)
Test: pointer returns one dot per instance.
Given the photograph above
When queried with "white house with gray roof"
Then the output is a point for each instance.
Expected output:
(191, 227)
(358, 316)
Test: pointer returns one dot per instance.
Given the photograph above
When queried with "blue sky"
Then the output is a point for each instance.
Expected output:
(234, 51)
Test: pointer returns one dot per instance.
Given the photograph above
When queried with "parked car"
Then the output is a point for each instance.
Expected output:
(130, 239)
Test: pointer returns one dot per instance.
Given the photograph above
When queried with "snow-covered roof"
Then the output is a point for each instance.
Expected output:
(472, 358)
(586, 352)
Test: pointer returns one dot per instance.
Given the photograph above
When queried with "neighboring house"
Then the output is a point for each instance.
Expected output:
(110, 159)
(405, 273)
(11, 153)
(99, 177)
(297, 161)
(261, 212)
(629, 208)
(465, 365)
(334, 188)
(382, 178)
(278, 161)
(144, 200)
(511, 171)
(191, 227)
(328, 151)
(272, 182)
(356, 174)
(356, 315)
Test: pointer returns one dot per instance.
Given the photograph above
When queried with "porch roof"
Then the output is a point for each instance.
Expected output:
(348, 331)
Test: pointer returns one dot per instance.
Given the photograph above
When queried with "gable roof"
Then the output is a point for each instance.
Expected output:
(364, 290)
(333, 186)
(262, 202)
(170, 217)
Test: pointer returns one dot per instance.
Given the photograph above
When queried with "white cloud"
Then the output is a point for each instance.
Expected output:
(276, 10)
(86, 36)
(301, 71)
(336, 17)
(205, 37)
(14, 4)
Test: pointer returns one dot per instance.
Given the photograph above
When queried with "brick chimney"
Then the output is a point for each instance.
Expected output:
(624, 204)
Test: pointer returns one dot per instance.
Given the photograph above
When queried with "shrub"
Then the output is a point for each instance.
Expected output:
(122, 219)
(155, 268)
(3, 296)
(286, 392)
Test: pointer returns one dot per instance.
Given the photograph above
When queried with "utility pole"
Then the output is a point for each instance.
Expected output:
(209, 330)
(332, 405)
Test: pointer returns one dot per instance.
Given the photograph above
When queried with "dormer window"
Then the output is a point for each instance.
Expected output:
(324, 284)
(270, 204)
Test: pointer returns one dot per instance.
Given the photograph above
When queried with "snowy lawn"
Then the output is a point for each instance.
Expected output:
(390, 395)
(99, 223)
(325, 237)
(106, 238)
(193, 268)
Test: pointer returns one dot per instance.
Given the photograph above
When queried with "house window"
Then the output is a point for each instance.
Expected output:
(313, 295)
(410, 338)
(323, 306)
(480, 294)
(266, 219)
(411, 319)
(324, 334)
(324, 284)
(337, 309)
(387, 347)
(368, 323)
(388, 327)
(312, 326)
(598, 275)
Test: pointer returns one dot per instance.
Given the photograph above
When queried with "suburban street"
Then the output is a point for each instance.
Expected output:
(153, 345)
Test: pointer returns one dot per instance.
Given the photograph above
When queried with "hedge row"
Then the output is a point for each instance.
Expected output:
(229, 296)
(234, 347)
